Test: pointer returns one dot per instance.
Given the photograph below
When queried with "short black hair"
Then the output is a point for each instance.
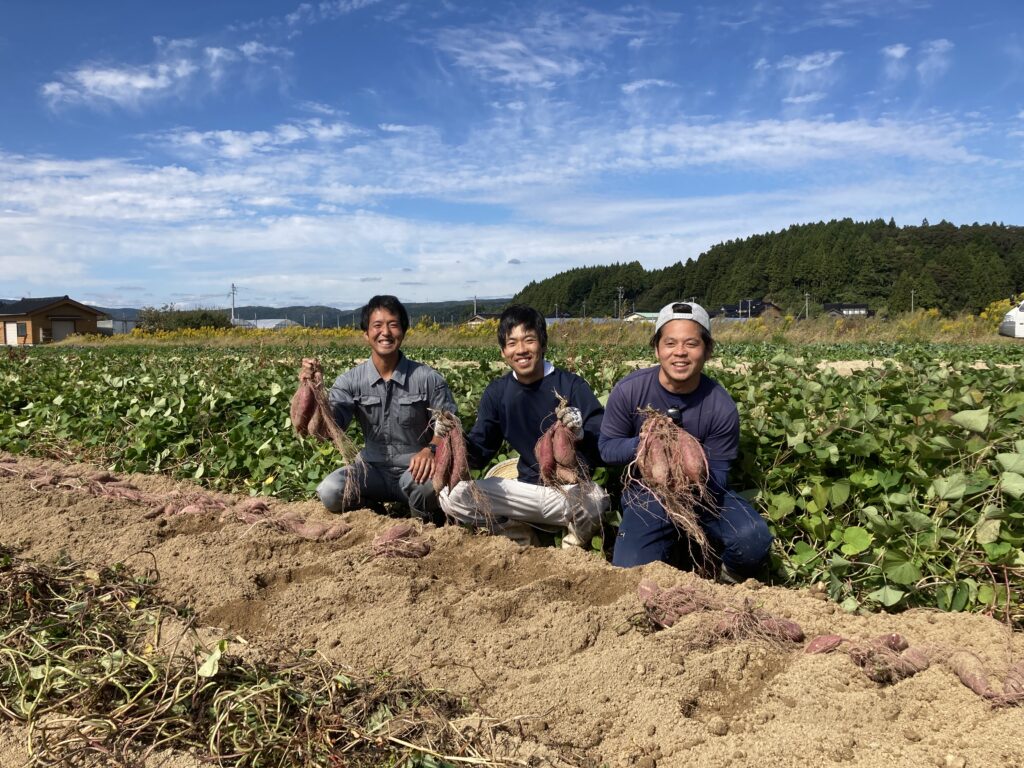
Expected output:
(386, 302)
(530, 318)
(705, 336)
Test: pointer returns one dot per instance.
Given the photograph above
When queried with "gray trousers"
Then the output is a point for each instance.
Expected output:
(379, 483)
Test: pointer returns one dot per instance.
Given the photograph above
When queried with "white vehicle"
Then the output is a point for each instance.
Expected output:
(1013, 323)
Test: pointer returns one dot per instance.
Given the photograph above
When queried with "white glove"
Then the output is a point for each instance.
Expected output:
(572, 419)
(444, 421)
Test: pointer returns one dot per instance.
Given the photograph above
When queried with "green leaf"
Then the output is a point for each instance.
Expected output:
(919, 521)
(803, 553)
(987, 531)
(850, 605)
(212, 663)
(901, 570)
(950, 488)
(1012, 484)
(275, 389)
(975, 420)
(887, 596)
(856, 540)
(780, 506)
(839, 493)
(1011, 462)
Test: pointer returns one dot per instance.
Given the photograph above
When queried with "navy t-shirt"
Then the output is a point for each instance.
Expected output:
(520, 413)
(708, 413)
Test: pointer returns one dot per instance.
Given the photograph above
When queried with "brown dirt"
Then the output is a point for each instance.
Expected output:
(543, 638)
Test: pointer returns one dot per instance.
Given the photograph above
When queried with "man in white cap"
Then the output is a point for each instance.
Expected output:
(677, 387)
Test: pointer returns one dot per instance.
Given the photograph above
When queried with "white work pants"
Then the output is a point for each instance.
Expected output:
(514, 509)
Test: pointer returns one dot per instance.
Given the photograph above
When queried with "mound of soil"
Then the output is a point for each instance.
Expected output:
(547, 641)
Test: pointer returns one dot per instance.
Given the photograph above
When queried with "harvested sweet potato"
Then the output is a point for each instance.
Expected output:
(824, 644)
(450, 464)
(310, 411)
(671, 464)
(557, 462)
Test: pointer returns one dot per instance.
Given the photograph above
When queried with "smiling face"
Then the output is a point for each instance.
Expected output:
(384, 333)
(524, 354)
(682, 353)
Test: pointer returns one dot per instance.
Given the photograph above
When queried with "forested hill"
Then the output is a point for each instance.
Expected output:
(948, 267)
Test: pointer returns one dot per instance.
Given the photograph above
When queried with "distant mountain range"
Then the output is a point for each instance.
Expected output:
(332, 317)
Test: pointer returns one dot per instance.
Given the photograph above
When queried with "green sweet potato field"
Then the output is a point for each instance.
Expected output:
(894, 486)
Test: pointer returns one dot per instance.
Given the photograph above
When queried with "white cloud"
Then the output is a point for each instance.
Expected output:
(257, 51)
(123, 86)
(325, 10)
(851, 13)
(896, 51)
(548, 48)
(638, 85)
(935, 60)
(810, 62)
(241, 144)
(895, 61)
(807, 78)
(179, 67)
(807, 98)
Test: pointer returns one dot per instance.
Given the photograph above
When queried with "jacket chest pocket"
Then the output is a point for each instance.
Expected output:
(370, 407)
(412, 411)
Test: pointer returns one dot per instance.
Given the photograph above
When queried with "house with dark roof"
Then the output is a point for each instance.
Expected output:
(747, 309)
(37, 321)
(839, 309)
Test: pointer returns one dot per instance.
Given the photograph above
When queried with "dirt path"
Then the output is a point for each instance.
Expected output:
(541, 638)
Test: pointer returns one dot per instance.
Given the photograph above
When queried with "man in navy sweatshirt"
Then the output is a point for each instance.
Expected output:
(518, 408)
(677, 387)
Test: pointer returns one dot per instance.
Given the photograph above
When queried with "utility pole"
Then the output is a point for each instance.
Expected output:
(556, 309)
(807, 315)
(621, 292)
(911, 301)
(584, 309)
(234, 290)
(474, 306)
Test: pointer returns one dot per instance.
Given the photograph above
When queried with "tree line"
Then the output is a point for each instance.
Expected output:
(951, 268)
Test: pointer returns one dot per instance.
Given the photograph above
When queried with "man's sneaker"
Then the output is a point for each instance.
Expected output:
(728, 576)
(569, 540)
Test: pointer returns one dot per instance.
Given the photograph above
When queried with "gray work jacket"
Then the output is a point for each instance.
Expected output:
(393, 414)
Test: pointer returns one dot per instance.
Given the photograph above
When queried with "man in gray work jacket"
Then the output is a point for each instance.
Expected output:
(391, 396)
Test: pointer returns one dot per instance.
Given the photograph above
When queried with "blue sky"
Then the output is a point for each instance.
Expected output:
(322, 152)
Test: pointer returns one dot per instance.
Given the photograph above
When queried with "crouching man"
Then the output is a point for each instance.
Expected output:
(518, 408)
(392, 397)
(678, 388)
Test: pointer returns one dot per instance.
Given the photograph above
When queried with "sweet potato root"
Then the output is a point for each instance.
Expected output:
(450, 463)
(310, 411)
(671, 464)
(555, 450)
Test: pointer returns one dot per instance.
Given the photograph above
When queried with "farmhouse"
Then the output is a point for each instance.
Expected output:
(748, 309)
(641, 317)
(482, 317)
(37, 321)
(838, 309)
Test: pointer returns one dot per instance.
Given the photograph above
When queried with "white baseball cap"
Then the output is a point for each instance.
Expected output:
(683, 310)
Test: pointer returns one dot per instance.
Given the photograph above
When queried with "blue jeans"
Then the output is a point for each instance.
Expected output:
(738, 534)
